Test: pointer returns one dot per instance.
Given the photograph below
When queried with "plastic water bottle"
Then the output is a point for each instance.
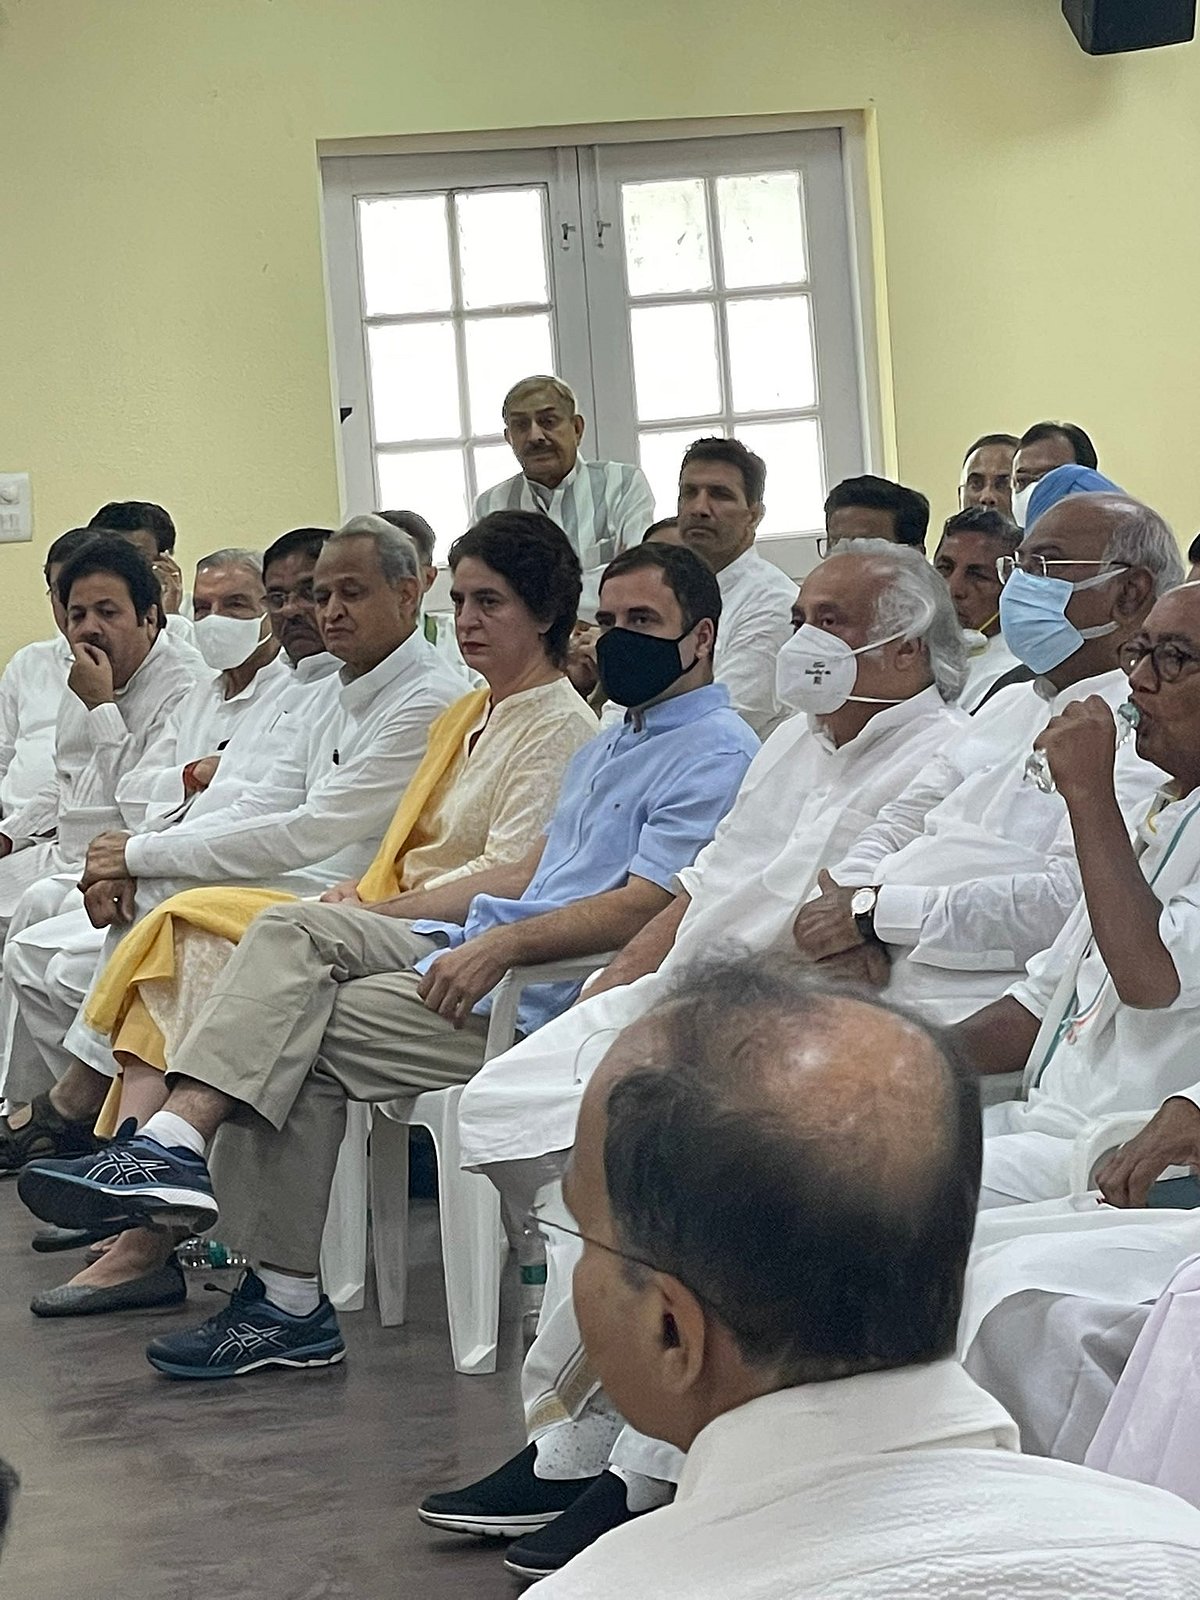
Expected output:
(208, 1255)
(1037, 768)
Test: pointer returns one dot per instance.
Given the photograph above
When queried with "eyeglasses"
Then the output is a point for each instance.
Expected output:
(1039, 567)
(541, 1223)
(1169, 661)
(301, 596)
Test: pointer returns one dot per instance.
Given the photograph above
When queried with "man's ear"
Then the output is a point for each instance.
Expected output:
(911, 654)
(579, 424)
(758, 511)
(508, 437)
(1135, 592)
(706, 636)
(683, 1334)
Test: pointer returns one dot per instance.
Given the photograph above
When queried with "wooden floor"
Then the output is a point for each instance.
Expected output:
(279, 1486)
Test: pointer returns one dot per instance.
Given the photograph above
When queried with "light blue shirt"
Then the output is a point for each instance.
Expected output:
(638, 801)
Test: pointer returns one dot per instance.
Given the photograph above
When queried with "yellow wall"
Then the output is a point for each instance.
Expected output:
(162, 318)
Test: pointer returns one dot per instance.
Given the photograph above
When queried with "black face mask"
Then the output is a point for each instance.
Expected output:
(638, 667)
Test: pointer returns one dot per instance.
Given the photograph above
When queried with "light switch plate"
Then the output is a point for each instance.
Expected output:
(16, 508)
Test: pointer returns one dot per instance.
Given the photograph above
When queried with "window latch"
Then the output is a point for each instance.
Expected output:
(601, 226)
(567, 229)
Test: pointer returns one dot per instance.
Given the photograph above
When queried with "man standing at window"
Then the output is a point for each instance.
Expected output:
(602, 506)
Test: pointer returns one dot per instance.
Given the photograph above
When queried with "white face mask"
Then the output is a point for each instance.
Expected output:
(1020, 503)
(816, 672)
(227, 642)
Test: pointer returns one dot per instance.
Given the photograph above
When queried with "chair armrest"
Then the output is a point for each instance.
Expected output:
(502, 1027)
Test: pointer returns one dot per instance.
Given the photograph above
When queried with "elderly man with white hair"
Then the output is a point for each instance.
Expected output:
(872, 673)
(602, 506)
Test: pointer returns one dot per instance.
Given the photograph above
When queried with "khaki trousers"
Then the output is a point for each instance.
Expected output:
(318, 1006)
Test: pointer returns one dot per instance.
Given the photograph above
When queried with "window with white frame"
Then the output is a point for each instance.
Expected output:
(682, 288)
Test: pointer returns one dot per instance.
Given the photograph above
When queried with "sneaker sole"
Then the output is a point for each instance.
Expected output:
(298, 1358)
(489, 1527)
(71, 1202)
(530, 1572)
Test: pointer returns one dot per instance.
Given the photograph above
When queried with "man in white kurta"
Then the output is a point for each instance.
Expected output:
(780, 1297)
(967, 557)
(814, 784)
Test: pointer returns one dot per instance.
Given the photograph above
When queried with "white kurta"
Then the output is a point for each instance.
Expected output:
(756, 620)
(601, 506)
(985, 670)
(1095, 1057)
(800, 801)
(976, 867)
(891, 1485)
(31, 690)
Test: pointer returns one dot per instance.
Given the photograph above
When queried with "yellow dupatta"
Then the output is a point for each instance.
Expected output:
(147, 952)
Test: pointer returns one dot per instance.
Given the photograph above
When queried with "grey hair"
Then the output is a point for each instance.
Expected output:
(397, 553)
(1142, 538)
(915, 604)
(540, 380)
(250, 560)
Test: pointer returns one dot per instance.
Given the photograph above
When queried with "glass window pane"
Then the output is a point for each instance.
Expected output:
(501, 247)
(405, 254)
(771, 353)
(675, 360)
(493, 464)
(499, 351)
(414, 381)
(666, 237)
(431, 482)
(795, 495)
(762, 229)
(659, 455)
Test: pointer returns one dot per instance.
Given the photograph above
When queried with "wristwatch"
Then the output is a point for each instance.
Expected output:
(862, 909)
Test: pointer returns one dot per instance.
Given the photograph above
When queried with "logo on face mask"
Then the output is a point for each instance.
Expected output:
(816, 671)
(636, 668)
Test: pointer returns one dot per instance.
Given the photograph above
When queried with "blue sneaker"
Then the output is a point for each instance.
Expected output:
(132, 1180)
(248, 1334)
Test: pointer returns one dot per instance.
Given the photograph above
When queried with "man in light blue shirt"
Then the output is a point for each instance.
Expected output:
(321, 1004)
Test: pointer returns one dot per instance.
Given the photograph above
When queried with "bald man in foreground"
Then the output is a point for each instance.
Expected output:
(765, 1136)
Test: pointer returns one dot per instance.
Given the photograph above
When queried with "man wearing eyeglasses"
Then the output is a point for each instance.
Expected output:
(1105, 1020)
(972, 871)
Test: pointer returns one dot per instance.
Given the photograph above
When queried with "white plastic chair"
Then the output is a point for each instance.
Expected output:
(474, 1245)
(344, 1242)
(1098, 1141)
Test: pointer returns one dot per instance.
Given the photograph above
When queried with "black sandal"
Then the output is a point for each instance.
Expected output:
(47, 1133)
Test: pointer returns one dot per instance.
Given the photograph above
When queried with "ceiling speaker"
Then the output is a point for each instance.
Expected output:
(1109, 27)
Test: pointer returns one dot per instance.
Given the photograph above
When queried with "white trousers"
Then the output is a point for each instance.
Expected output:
(48, 956)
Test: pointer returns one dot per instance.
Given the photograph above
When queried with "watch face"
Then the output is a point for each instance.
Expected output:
(863, 902)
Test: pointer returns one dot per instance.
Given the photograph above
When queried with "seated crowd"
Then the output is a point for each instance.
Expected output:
(846, 861)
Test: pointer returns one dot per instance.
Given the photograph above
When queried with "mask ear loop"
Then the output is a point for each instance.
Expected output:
(913, 631)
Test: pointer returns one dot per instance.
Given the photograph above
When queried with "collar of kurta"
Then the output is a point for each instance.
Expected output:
(729, 577)
(359, 692)
(313, 668)
(540, 491)
(884, 721)
(912, 1408)
(1045, 690)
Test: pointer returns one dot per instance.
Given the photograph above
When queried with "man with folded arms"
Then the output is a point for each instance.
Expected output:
(325, 1003)
(773, 1195)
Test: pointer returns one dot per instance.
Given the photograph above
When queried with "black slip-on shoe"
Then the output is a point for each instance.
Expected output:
(599, 1509)
(508, 1503)
(165, 1286)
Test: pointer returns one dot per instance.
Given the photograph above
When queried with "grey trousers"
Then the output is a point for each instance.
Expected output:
(318, 1006)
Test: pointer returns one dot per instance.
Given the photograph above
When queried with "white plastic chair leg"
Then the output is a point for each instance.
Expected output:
(344, 1242)
(469, 1207)
(389, 1216)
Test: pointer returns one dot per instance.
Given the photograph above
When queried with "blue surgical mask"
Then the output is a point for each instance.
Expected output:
(1033, 618)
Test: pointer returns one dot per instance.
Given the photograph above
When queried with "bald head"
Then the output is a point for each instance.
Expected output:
(802, 1158)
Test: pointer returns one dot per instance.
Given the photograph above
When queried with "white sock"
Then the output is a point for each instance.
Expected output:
(297, 1296)
(171, 1131)
(642, 1493)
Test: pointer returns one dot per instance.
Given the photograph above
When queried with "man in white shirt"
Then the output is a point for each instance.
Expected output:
(150, 529)
(815, 783)
(972, 871)
(127, 677)
(1104, 1021)
(31, 691)
(721, 489)
(772, 1235)
(971, 546)
(320, 807)
(602, 506)
(1040, 450)
(986, 477)
(874, 508)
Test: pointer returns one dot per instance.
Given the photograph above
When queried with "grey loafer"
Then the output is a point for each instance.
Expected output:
(165, 1286)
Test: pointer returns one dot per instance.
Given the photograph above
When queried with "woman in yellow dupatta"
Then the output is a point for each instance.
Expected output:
(481, 797)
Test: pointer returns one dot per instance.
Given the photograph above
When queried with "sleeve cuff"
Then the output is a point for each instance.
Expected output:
(900, 913)
(138, 856)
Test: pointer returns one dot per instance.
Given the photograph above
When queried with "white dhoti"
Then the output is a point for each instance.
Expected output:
(48, 960)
